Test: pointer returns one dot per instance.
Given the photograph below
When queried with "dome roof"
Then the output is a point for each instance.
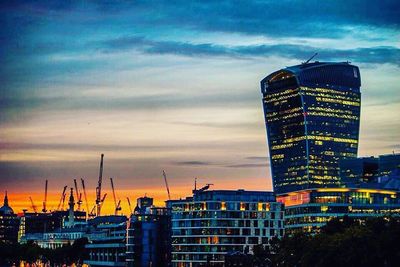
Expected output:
(6, 210)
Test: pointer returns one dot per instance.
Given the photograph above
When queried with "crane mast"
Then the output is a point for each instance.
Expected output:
(113, 191)
(45, 198)
(33, 205)
(129, 204)
(92, 211)
(84, 194)
(78, 195)
(117, 205)
(118, 208)
(62, 198)
(102, 200)
(166, 184)
(98, 188)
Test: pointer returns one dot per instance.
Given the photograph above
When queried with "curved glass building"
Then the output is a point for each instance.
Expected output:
(312, 115)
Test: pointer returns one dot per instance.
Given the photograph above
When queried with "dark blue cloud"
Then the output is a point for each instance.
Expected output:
(380, 54)
(284, 18)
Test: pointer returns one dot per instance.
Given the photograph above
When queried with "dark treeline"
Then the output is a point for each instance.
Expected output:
(343, 242)
(31, 252)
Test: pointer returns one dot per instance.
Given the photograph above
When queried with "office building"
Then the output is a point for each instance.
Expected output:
(388, 164)
(149, 236)
(357, 171)
(308, 210)
(9, 223)
(142, 203)
(381, 170)
(107, 241)
(312, 115)
(210, 224)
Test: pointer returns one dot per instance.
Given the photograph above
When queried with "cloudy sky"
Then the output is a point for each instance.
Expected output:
(172, 85)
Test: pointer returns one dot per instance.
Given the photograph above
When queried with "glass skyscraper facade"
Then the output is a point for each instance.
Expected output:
(312, 115)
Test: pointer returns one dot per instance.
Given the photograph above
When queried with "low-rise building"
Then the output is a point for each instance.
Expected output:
(309, 210)
(210, 224)
(107, 241)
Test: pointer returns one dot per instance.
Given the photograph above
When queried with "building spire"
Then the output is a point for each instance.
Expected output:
(6, 199)
(71, 203)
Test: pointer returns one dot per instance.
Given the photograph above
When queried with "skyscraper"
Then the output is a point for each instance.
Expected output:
(312, 115)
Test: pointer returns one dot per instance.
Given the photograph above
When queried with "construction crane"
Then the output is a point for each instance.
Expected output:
(62, 197)
(91, 214)
(204, 188)
(84, 194)
(78, 195)
(129, 204)
(117, 206)
(33, 205)
(166, 184)
(45, 198)
(63, 200)
(98, 188)
(102, 201)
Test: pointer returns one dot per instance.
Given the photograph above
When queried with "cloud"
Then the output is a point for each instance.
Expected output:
(273, 18)
(193, 163)
(258, 158)
(140, 102)
(248, 165)
(379, 54)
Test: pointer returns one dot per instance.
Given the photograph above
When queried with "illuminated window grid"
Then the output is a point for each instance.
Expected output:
(221, 227)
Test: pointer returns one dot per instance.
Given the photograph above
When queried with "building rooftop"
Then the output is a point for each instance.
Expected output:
(230, 195)
(315, 73)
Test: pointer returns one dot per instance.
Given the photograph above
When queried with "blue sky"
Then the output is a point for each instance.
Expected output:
(175, 85)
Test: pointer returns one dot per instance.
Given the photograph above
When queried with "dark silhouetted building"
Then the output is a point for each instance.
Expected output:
(388, 164)
(312, 115)
(35, 225)
(149, 236)
(142, 204)
(9, 223)
(368, 170)
(355, 171)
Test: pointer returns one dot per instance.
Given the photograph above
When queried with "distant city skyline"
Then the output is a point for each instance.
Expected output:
(172, 86)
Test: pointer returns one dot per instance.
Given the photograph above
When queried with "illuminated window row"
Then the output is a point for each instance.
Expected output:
(333, 115)
(343, 102)
(323, 90)
(269, 99)
(288, 111)
(278, 156)
(282, 93)
(332, 110)
(331, 96)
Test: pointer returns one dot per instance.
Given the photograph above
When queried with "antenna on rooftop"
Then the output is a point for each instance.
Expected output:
(310, 58)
